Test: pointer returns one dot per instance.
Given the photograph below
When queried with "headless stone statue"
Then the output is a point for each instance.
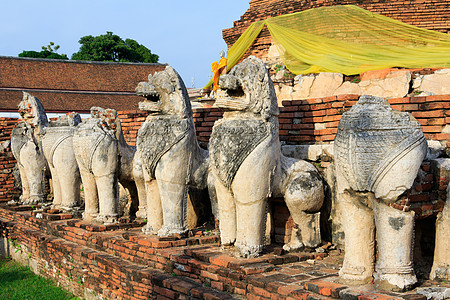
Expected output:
(378, 153)
(57, 145)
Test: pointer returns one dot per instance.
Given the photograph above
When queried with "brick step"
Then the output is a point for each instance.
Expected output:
(274, 275)
(104, 273)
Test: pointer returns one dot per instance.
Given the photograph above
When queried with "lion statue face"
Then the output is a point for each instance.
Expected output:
(248, 88)
(165, 93)
(32, 111)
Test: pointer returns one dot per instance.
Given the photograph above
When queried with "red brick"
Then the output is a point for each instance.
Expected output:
(431, 128)
(222, 260)
(374, 296)
(324, 288)
(217, 285)
(347, 97)
(314, 100)
(428, 114)
(438, 98)
(258, 291)
(287, 289)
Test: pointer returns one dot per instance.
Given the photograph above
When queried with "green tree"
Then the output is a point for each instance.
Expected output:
(48, 51)
(111, 47)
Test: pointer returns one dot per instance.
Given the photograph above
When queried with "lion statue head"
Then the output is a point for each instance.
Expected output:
(165, 93)
(31, 111)
(248, 88)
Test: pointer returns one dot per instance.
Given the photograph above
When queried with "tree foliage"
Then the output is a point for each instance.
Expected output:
(48, 51)
(111, 47)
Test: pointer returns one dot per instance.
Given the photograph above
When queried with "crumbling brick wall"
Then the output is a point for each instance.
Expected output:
(8, 191)
(427, 14)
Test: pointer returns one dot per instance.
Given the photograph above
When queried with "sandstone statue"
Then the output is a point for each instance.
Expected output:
(104, 158)
(247, 165)
(378, 153)
(57, 147)
(172, 160)
(441, 261)
(27, 149)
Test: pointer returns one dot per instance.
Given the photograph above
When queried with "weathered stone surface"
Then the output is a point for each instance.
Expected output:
(316, 85)
(348, 88)
(171, 157)
(96, 151)
(302, 86)
(325, 84)
(394, 85)
(104, 140)
(435, 293)
(238, 138)
(435, 149)
(378, 153)
(27, 149)
(161, 135)
(247, 165)
(433, 84)
(57, 145)
(371, 140)
(441, 260)
(284, 92)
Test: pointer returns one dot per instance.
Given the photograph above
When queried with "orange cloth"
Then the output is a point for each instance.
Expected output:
(217, 68)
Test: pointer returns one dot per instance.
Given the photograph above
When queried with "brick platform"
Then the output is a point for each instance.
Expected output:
(120, 262)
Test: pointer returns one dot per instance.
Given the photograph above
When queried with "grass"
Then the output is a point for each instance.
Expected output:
(18, 282)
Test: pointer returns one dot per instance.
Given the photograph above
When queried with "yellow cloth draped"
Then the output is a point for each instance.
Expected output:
(346, 39)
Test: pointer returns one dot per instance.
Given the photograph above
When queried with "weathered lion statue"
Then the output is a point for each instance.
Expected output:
(57, 146)
(172, 159)
(104, 160)
(27, 149)
(248, 167)
(378, 152)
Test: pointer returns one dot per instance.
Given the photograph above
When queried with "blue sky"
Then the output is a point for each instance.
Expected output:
(185, 34)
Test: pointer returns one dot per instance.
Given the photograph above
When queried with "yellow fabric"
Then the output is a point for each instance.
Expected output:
(346, 39)
(216, 68)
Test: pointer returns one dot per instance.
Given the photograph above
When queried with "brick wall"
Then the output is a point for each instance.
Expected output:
(8, 191)
(300, 119)
(315, 121)
(427, 14)
(310, 121)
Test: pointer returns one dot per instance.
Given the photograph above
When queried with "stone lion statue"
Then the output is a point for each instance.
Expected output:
(378, 152)
(57, 146)
(247, 165)
(172, 159)
(27, 149)
(105, 159)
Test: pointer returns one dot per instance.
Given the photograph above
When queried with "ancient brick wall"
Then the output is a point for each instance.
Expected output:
(302, 122)
(315, 121)
(8, 191)
(427, 14)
